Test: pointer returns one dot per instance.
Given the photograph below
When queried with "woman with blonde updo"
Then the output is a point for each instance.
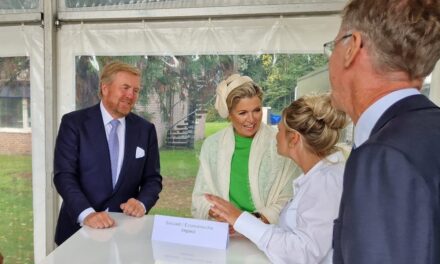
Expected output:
(240, 163)
(308, 134)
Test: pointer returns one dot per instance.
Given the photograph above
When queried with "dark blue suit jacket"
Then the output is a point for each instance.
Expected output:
(82, 171)
(390, 207)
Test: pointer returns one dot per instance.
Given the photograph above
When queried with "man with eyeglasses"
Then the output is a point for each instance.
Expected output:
(390, 206)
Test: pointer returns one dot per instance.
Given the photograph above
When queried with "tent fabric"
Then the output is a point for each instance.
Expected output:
(84, 5)
(434, 94)
(28, 41)
(202, 37)
(18, 6)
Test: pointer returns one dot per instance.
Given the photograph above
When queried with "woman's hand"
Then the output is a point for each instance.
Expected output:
(216, 217)
(221, 209)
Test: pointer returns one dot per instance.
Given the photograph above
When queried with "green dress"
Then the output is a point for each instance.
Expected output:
(239, 188)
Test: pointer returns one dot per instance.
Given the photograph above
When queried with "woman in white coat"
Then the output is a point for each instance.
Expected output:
(240, 163)
(308, 132)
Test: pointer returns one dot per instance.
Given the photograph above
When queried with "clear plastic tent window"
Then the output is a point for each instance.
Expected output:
(10, 5)
(119, 3)
(152, 4)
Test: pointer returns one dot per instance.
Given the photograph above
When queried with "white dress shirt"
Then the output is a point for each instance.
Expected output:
(304, 232)
(369, 117)
(107, 118)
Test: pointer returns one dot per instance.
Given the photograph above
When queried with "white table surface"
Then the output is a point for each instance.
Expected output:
(130, 242)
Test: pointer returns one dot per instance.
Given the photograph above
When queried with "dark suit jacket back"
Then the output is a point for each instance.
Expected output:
(82, 171)
(390, 207)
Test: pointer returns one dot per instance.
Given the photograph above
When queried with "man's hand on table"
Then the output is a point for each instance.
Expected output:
(133, 207)
(99, 220)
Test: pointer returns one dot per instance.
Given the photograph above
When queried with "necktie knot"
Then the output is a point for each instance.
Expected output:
(114, 123)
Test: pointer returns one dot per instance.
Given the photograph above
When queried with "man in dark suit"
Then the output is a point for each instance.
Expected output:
(390, 207)
(106, 158)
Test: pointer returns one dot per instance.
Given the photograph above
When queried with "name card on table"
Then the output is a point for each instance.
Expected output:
(188, 231)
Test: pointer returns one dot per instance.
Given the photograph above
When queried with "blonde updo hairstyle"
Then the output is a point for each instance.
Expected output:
(317, 121)
(246, 90)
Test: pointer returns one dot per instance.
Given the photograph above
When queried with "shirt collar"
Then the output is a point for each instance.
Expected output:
(106, 117)
(370, 116)
(330, 159)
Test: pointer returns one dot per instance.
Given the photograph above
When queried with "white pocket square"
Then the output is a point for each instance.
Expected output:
(140, 153)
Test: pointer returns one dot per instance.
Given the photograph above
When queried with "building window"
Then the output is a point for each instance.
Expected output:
(14, 113)
(14, 94)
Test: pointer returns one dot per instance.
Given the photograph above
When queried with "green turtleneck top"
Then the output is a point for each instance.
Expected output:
(239, 189)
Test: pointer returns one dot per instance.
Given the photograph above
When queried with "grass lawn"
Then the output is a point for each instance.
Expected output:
(16, 221)
(179, 168)
(170, 212)
(212, 127)
(184, 163)
(179, 163)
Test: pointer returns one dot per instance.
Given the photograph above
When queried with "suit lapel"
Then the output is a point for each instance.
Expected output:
(408, 104)
(94, 126)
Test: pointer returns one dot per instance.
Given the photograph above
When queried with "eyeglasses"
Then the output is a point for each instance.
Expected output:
(330, 46)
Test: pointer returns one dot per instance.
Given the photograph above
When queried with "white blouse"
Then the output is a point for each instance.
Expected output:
(304, 231)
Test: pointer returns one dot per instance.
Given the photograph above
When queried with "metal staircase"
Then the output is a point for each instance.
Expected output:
(181, 134)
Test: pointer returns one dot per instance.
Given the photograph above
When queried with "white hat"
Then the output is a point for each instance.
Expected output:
(223, 90)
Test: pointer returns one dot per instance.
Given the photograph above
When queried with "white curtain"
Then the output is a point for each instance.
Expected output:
(435, 85)
(28, 41)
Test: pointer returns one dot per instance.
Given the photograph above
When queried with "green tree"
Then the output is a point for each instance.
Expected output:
(194, 78)
(283, 71)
